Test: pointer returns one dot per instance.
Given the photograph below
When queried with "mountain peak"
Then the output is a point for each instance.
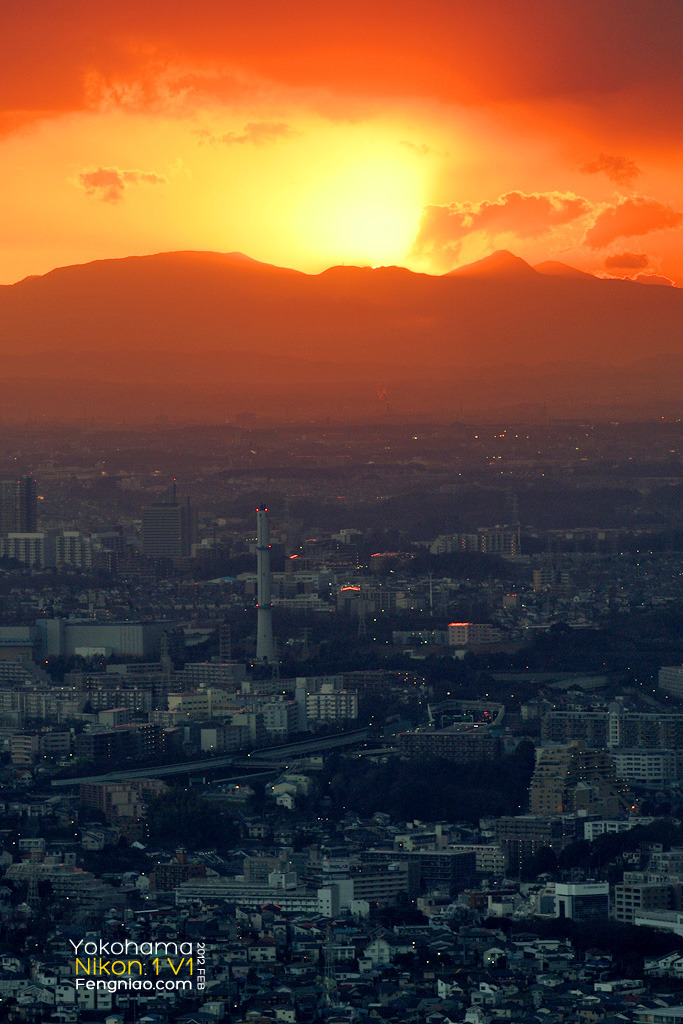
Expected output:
(500, 263)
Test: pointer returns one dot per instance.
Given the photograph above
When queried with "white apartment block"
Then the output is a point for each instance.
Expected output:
(330, 705)
(645, 767)
(490, 859)
(28, 548)
(603, 826)
(280, 718)
(202, 703)
(460, 634)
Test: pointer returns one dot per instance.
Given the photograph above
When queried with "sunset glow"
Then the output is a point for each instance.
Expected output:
(365, 211)
(310, 137)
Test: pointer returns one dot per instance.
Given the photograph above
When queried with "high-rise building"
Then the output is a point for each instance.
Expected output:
(265, 645)
(570, 778)
(169, 528)
(18, 506)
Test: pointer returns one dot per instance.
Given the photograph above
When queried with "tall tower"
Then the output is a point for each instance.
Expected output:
(265, 648)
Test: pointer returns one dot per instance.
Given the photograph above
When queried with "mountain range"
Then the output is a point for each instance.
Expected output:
(210, 336)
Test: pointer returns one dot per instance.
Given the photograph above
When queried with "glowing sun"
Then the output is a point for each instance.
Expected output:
(363, 212)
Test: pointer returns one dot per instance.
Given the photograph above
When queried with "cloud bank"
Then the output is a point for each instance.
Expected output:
(109, 183)
(637, 215)
(443, 228)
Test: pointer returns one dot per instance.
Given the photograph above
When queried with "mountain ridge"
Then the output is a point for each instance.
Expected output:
(499, 263)
(237, 323)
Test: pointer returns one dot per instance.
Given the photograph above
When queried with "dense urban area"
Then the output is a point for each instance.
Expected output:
(342, 724)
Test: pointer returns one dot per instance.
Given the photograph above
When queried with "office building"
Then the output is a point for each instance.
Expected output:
(87, 638)
(581, 900)
(169, 528)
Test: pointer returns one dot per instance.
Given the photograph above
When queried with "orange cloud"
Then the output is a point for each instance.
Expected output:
(109, 183)
(617, 168)
(627, 261)
(527, 216)
(633, 216)
(256, 132)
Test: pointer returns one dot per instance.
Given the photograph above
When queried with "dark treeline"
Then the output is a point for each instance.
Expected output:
(430, 790)
(181, 817)
(627, 943)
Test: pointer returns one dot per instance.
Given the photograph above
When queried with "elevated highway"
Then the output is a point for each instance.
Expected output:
(271, 756)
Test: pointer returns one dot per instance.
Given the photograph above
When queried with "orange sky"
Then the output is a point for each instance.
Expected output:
(311, 133)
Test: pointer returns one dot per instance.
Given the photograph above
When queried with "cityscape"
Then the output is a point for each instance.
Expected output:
(341, 512)
(404, 742)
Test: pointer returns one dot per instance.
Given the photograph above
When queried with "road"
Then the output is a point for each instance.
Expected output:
(267, 755)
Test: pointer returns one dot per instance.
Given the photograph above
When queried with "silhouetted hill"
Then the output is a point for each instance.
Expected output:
(554, 269)
(200, 333)
(500, 263)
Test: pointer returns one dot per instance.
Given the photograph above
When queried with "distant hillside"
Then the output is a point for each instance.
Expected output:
(204, 334)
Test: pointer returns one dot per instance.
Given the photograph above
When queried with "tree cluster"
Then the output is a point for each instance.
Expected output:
(430, 789)
(182, 817)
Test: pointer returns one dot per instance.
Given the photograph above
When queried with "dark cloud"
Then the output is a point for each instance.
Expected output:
(617, 168)
(527, 216)
(109, 183)
(627, 261)
(653, 279)
(629, 217)
(622, 60)
(256, 132)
